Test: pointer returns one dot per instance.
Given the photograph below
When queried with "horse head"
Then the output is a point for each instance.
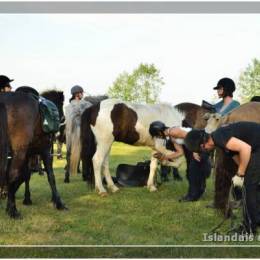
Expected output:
(213, 122)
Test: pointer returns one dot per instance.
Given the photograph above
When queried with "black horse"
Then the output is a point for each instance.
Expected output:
(57, 97)
(22, 136)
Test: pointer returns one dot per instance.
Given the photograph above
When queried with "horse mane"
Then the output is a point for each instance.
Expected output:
(27, 90)
(53, 93)
(95, 99)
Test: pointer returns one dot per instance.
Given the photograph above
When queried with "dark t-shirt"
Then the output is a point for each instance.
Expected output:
(249, 132)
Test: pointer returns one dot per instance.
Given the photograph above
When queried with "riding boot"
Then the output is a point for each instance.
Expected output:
(164, 173)
(176, 174)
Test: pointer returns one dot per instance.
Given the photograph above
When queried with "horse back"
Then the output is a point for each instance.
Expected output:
(246, 112)
(22, 114)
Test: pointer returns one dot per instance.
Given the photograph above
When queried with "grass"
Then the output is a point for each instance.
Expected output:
(133, 216)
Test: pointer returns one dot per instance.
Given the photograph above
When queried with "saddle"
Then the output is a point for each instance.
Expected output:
(208, 106)
(48, 110)
(133, 175)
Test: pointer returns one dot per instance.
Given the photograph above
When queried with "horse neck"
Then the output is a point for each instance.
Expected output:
(57, 100)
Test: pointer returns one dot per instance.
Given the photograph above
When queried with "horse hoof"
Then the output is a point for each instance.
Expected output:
(66, 180)
(114, 189)
(103, 194)
(27, 202)
(61, 207)
(152, 188)
(14, 214)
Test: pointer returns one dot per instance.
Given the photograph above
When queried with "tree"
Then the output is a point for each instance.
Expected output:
(142, 85)
(249, 81)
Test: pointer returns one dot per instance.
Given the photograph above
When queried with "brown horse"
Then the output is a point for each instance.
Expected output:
(225, 166)
(21, 136)
(194, 118)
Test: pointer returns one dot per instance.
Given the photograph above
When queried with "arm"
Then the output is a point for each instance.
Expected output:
(244, 150)
(179, 152)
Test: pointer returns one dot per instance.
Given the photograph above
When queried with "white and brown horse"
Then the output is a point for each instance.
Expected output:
(115, 120)
(73, 113)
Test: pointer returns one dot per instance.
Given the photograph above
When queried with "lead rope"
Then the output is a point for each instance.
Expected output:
(245, 209)
(229, 207)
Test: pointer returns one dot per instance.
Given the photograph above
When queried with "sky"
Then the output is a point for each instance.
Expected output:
(191, 51)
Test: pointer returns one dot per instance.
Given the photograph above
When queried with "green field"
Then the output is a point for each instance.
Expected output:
(133, 216)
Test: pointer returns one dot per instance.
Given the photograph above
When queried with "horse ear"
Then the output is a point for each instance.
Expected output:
(206, 116)
(224, 119)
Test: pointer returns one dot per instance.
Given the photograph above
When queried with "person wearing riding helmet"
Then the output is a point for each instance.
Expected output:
(73, 113)
(5, 84)
(76, 93)
(197, 182)
(225, 88)
(241, 141)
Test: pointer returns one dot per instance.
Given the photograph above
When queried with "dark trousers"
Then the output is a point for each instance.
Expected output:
(197, 173)
(165, 170)
(252, 187)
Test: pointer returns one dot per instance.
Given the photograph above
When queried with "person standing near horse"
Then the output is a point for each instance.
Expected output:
(225, 88)
(73, 113)
(241, 141)
(197, 182)
(5, 84)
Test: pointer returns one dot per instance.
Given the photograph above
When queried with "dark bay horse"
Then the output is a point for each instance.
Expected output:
(57, 97)
(22, 136)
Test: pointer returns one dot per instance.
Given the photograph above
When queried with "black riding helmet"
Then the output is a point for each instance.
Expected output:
(4, 81)
(228, 86)
(194, 139)
(157, 129)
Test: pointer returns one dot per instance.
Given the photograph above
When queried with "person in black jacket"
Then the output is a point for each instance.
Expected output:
(241, 141)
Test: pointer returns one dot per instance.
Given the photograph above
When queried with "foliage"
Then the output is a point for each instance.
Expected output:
(142, 85)
(249, 81)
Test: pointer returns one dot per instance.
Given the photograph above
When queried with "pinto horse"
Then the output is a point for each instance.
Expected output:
(115, 120)
(73, 114)
(22, 136)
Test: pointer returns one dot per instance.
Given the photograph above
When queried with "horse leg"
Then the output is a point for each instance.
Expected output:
(27, 193)
(14, 182)
(109, 180)
(59, 150)
(67, 167)
(47, 161)
(153, 167)
(98, 160)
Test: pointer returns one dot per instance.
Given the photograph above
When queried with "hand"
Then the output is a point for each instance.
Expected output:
(238, 181)
(196, 156)
(159, 156)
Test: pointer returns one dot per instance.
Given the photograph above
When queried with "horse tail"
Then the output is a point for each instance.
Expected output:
(75, 145)
(3, 146)
(89, 146)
